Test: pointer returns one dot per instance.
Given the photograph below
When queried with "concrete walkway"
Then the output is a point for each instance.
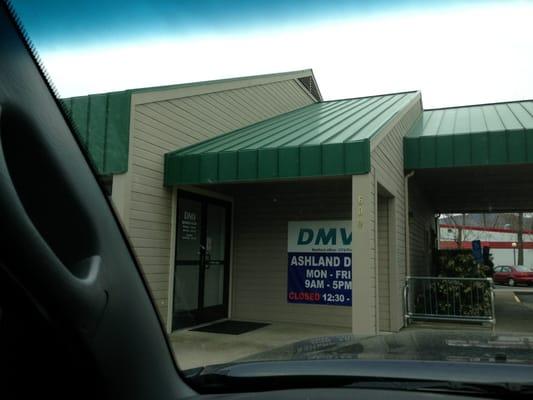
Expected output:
(514, 314)
(195, 349)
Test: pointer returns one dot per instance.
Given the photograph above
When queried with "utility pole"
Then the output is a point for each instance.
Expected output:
(519, 238)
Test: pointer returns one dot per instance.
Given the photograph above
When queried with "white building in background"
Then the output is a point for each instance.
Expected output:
(499, 240)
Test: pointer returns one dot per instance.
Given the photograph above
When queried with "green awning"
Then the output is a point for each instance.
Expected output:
(323, 139)
(491, 134)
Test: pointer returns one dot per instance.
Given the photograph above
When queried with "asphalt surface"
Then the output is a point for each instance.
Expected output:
(514, 309)
(525, 298)
(506, 288)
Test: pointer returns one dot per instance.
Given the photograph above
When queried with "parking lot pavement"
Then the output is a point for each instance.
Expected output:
(525, 298)
(514, 310)
(505, 288)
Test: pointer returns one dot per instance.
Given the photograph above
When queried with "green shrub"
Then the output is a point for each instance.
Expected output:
(455, 297)
(459, 264)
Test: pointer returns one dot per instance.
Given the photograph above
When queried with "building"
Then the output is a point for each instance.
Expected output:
(502, 242)
(254, 199)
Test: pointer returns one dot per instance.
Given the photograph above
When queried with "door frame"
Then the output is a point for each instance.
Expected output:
(173, 229)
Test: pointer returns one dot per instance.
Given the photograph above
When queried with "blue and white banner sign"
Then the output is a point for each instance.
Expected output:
(320, 262)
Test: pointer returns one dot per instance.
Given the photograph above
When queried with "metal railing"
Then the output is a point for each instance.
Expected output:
(449, 299)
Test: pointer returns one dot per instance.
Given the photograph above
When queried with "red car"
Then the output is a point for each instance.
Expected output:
(513, 275)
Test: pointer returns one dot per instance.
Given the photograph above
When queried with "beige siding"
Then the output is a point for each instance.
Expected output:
(373, 248)
(383, 264)
(364, 254)
(163, 126)
(262, 213)
(387, 162)
(421, 226)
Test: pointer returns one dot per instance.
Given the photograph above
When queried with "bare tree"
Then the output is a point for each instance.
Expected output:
(458, 237)
(458, 221)
(461, 235)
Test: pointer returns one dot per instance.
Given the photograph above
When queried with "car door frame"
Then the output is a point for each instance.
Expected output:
(86, 283)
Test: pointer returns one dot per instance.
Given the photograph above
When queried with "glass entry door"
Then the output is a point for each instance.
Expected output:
(201, 274)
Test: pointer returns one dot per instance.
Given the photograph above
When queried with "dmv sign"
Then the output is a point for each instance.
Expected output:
(320, 262)
(324, 236)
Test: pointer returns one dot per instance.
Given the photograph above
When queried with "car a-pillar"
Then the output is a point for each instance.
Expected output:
(363, 271)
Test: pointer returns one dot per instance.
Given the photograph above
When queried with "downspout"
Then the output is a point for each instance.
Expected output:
(407, 232)
(436, 246)
(407, 250)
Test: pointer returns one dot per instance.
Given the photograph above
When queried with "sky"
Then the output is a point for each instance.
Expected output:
(455, 52)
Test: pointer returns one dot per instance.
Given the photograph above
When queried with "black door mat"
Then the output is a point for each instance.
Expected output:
(231, 327)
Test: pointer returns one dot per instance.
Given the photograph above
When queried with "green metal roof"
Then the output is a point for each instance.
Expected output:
(102, 122)
(489, 134)
(322, 139)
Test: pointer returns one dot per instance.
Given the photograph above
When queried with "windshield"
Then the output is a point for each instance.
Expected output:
(312, 180)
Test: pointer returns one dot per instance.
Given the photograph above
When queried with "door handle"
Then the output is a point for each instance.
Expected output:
(74, 281)
(201, 250)
(207, 259)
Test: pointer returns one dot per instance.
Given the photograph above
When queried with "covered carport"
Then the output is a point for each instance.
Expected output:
(491, 188)
(473, 159)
